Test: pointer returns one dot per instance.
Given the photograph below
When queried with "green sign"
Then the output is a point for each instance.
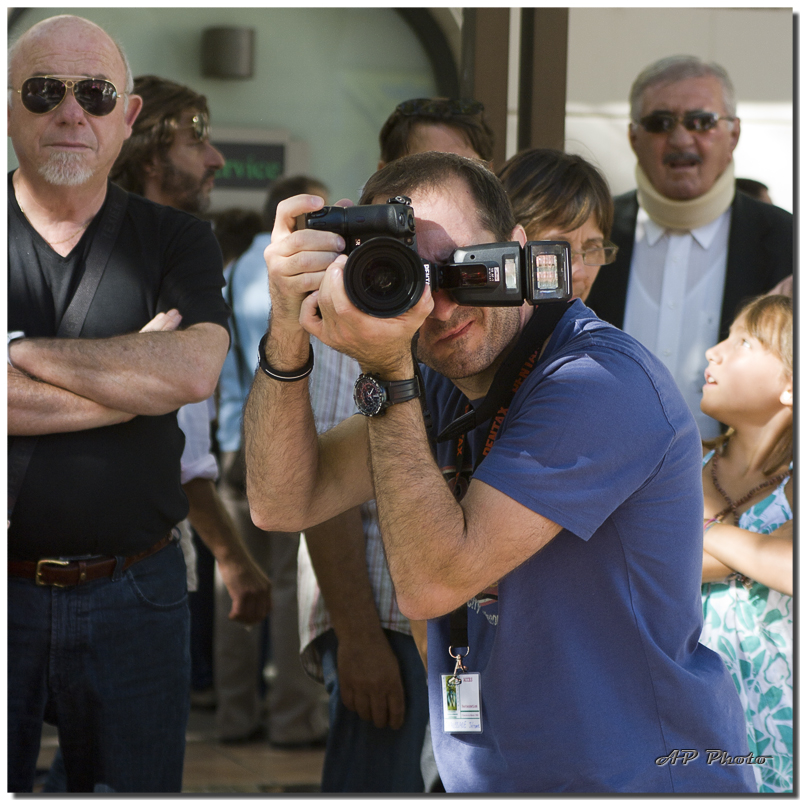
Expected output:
(249, 165)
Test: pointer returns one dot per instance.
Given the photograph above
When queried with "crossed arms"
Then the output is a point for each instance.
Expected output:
(766, 558)
(62, 385)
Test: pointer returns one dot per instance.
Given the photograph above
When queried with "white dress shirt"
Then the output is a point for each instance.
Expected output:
(675, 300)
(197, 461)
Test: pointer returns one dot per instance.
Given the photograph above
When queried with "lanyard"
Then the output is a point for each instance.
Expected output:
(516, 366)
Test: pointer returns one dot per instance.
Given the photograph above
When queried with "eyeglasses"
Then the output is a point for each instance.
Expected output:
(598, 256)
(439, 108)
(693, 121)
(44, 93)
(199, 126)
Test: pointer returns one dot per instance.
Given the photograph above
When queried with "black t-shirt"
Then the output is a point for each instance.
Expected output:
(113, 490)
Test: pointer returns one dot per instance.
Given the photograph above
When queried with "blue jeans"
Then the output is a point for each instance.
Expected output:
(360, 757)
(108, 664)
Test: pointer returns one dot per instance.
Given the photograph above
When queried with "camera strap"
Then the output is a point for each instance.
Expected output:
(516, 366)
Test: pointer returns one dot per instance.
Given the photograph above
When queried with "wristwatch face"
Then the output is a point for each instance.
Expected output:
(369, 396)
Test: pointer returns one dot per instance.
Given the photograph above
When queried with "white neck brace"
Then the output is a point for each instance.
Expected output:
(686, 214)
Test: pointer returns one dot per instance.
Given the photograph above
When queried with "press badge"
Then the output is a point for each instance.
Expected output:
(461, 699)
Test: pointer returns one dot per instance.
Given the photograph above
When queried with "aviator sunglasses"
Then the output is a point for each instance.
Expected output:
(199, 126)
(44, 93)
(693, 121)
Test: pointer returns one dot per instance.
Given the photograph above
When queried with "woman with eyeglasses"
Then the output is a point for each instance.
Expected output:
(561, 196)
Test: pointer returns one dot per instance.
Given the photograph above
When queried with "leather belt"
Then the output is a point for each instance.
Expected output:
(62, 574)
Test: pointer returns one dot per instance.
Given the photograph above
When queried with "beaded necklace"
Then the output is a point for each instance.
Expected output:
(731, 508)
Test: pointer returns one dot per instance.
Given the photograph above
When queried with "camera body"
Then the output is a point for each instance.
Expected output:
(384, 276)
(359, 224)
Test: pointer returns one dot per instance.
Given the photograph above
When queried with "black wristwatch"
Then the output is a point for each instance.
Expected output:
(373, 396)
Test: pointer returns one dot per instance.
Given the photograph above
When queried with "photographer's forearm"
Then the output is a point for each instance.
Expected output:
(441, 552)
(294, 479)
(278, 435)
(287, 343)
(139, 373)
(422, 525)
(37, 408)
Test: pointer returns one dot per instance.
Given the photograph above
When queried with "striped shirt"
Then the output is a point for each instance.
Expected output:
(331, 389)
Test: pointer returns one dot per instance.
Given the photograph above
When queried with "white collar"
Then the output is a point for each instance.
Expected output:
(703, 235)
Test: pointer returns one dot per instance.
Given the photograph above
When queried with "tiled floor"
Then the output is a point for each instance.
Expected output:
(211, 767)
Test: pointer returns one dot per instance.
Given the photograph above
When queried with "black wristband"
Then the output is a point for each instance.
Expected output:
(286, 377)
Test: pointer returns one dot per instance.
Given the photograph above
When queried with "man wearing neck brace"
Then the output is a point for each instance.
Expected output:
(691, 246)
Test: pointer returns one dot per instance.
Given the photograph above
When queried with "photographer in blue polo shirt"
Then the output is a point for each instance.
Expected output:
(567, 524)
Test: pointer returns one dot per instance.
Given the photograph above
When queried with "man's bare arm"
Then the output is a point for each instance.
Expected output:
(36, 408)
(248, 587)
(442, 553)
(369, 673)
(150, 372)
(293, 481)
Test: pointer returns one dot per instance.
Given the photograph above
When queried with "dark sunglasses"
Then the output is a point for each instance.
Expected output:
(693, 121)
(439, 108)
(43, 93)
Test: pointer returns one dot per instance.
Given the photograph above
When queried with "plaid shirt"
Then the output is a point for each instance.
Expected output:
(331, 391)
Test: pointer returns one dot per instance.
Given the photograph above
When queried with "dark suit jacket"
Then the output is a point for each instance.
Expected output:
(760, 255)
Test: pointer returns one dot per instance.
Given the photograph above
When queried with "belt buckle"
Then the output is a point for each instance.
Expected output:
(50, 562)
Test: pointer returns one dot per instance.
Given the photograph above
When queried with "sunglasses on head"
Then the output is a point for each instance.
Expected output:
(439, 107)
(43, 93)
(199, 126)
(693, 121)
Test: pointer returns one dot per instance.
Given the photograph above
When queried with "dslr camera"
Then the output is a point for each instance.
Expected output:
(384, 275)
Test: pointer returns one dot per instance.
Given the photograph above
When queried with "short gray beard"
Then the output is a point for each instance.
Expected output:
(65, 169)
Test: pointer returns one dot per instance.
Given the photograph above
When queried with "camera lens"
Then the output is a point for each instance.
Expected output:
(384, 277)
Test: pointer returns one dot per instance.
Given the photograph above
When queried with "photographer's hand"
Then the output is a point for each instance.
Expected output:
(379, 345)
(296, 263)
(297, 259)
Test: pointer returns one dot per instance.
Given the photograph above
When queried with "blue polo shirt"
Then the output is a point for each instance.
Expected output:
(591, 671)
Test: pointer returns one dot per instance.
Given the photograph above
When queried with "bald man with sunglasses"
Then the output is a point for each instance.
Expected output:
(117, 319)
(691, 247)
